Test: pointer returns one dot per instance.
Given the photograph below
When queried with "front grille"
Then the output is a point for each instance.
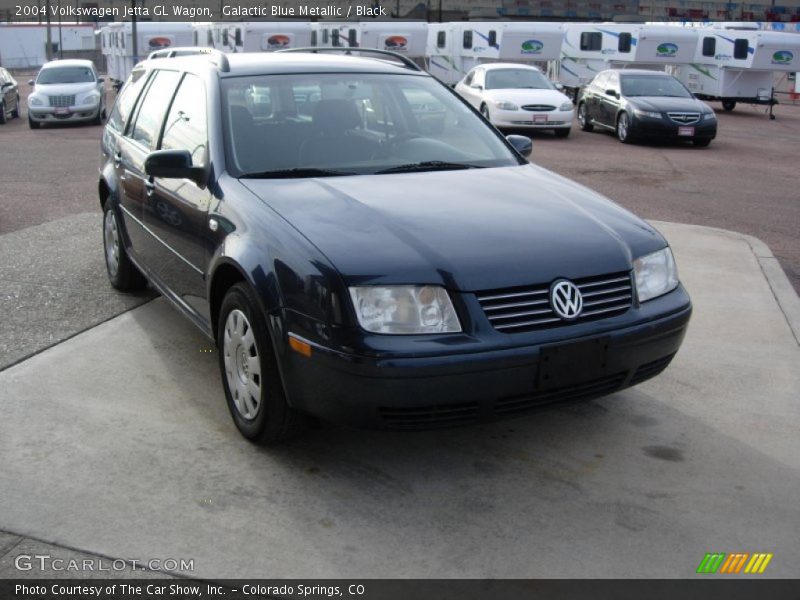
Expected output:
(62, 101)
(538, 107)
(684, 118)
(417, 417)
(516, 310)
(581, 391)
(651, 369)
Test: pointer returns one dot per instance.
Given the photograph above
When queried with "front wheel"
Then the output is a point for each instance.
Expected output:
(15, 112)
(728, 105)
(249, 371)
(485, 113)
(32, 124)
(122, 273)
(583, 118)
(624, 128)
(3, 119)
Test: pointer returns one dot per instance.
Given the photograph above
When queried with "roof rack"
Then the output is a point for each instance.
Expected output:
(220, 56)
(407, 62)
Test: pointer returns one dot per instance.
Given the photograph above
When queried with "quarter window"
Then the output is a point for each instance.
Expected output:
(126, 99)
(152, 108)
(186, 126)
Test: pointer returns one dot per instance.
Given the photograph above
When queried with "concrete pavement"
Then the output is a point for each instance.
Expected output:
(118, 442)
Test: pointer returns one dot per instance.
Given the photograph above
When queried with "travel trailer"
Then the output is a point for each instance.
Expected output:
(261, 36)
(404, 37)
(592, 47)
(203, 35)
(150, 36)
(455, 48)
(735, 63)
(24, 45)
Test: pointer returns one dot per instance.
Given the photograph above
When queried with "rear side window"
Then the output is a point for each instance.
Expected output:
(624, 44)
(152, 107)
(126, 99)
(186, 126)
(468, 39)
(591, 40)
(709, 46)
(740, 49)
(441, 39)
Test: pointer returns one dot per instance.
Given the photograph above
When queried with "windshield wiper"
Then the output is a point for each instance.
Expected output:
(297, 172)
(428, 165)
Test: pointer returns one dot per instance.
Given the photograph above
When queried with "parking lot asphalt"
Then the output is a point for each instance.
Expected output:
(118, 442)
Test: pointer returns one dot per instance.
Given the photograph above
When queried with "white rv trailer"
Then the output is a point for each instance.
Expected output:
(735, 63)
(261, 36)
(24, 45)
(455, 48)
(150, 36)
(404, 37)
(592, 47)
(203, 35)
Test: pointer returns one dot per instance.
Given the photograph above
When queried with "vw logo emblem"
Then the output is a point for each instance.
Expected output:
(566, 299)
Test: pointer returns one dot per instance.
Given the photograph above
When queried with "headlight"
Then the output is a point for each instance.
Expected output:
(566, 106)
(506, 105)
(709, 117)
(404, 309)
(92, 98)
(646, 113)
(35, 101)
(656, 274)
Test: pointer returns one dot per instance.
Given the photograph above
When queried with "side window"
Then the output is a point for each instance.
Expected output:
(469, 78)
(468, 39)
(151, 109)
(709, 46)
(613, 82)
(324, 36)
(238, 38)
(351, 40)
(335, 37)
(186, 127)
(210, 38)
(224, 37)
(492, 38)
(740, 49)
(591, 40)
(624, 44)
(600, 82)
(314, 38)
(126, 99)
(441, 39)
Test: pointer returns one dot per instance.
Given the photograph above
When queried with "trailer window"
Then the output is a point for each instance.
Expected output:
(352, 38)
(335, 37)
(740, 47)
(624, 44)
(441, 39)
(313, 38)
(709, 46)
(324, 36)
(492, 38)
(225, 37)
(591, 40)
(468, 39)
(238, 36)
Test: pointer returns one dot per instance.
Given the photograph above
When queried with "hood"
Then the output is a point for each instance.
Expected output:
(57, 89)
(666, 104)
(519, 97)
(469, 230)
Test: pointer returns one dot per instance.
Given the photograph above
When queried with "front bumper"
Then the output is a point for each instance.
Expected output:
(71, 114)
(554, 119)
(458, 388)
(666, 129)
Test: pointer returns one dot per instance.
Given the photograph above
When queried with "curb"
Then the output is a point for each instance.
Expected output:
(782, 289)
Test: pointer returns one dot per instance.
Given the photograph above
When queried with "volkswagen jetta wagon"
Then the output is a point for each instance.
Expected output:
(353, 263)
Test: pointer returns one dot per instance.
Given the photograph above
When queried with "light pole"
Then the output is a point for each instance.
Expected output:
(49, 49)
(134, 36)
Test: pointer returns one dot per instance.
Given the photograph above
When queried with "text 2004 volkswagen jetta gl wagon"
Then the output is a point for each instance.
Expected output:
(363, 247)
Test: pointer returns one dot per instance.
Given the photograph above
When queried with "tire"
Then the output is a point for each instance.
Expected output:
(98, 120)
(562, 133)
(728, 105)
(624, 128)
(32, 124)
(3, 119)
(702, 142)
(122, 273)
(485, 112)
(257, 401)
(15, 112)
(583, 118)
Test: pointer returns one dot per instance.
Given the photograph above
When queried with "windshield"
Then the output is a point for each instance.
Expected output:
(653, 85)
(66, 75)
(510, 79)
(318, 125)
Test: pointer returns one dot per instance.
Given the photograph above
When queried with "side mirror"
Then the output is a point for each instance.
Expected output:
(101, 80)
(7, 84)
(173, 164)
(522, 144)
(31, 82)
(476, 86)
(611, 93)
(559, 86)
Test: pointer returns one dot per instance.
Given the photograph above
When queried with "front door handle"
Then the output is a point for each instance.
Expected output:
(150, 187)
(117, 158)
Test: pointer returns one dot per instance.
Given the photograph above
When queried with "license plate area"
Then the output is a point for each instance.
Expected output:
(686, 131)
(62, 111)
(562, 365)
(540, 119)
